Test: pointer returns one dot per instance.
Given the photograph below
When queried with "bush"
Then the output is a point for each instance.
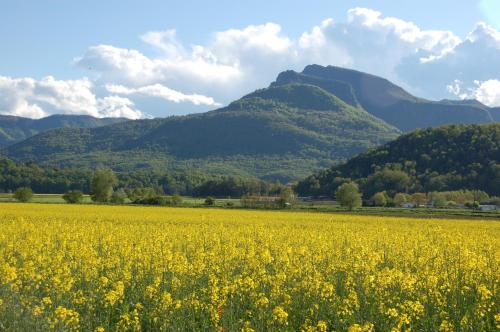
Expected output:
(472, 205)
(401, 198)
(137, 194)
(380, 199)
(23, 194)
(73, 196)
(451, 204)
(175, 200)
(210, 201)
(118, 197)
(156, 200)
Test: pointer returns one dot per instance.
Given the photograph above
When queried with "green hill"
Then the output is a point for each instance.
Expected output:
(282, 132)
(445, 158)
(14, 129)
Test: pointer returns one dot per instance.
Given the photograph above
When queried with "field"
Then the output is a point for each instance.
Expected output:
(114, 268)
(318, 206)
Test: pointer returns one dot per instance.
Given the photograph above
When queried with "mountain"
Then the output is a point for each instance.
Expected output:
(388, 101)
(435, 159)
(14, 129)
(495, 113)
(281, 133)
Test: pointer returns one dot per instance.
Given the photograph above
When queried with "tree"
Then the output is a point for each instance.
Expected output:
(176, 200)
(118, 197)
(23, 194)
(210, 201)
(73, 196)
(400, 198)
(380, 199)
(102, 185)
(138, 194)
(387, 179)
(348, 195)
(438, 199)
(419, 198)
(287, 196)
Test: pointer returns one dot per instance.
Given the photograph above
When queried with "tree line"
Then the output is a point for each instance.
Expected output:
(50, 180)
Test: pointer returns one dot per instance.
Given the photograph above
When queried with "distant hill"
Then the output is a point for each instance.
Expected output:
(14, 129)
(388, 101)
(438, 159)
(280, 133)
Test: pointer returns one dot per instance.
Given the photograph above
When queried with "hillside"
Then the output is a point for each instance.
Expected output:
(279, 133)
(14, 129)
(445, 158)
(388, 101)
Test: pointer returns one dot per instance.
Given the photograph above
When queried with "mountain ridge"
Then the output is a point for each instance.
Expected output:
(391, 103)
(14, 129)
(265, 128)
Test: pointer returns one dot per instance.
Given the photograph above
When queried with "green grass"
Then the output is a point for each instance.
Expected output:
(43, 198)
(321, 206)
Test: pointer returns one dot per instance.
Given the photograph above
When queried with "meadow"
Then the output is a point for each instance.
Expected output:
(131, 268)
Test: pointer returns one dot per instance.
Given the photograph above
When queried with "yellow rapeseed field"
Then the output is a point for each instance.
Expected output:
(116, 268)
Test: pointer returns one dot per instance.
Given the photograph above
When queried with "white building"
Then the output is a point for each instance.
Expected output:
(487, 207)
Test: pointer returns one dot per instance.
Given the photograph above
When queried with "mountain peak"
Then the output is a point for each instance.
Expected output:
(299, 95)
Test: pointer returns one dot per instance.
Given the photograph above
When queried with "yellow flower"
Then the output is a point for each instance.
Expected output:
(280, 315)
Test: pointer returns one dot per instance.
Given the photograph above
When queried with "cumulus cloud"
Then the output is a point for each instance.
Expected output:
(237, 61)
(191, 78)
(488, 92)
(370, 42)
(32, 98)
(476, 58)
(160, 91)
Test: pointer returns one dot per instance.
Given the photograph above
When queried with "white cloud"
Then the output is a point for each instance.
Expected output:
(160, 91)
(476, 58)
(431, 63)
(35, 99)
(237, 61)
(118, 107)
(373, 43)
(488, 92)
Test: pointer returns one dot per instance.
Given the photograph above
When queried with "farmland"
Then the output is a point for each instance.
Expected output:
(108, 268)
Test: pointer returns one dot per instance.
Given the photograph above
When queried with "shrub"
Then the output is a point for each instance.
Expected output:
(118, 197)
(380, 199)
(73, 196)
(175, 200)
(155, 200)
(23, 194)
(137, 194)
(210, 201)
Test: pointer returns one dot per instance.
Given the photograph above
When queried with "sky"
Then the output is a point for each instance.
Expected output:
(148, 58)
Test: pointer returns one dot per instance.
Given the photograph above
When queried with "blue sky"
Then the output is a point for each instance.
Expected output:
(47, 46)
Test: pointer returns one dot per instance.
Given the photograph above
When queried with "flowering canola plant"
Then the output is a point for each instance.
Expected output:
(118, 268)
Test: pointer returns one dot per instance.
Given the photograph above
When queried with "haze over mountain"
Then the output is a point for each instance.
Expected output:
(14, 129)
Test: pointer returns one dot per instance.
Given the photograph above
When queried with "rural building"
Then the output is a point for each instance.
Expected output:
(487, 207)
